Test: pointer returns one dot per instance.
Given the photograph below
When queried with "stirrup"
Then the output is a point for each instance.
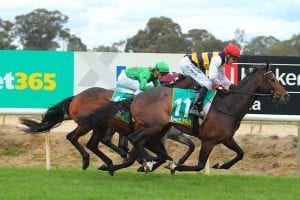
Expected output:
(194, 111)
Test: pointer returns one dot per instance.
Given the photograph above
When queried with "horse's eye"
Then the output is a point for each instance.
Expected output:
(272, 80)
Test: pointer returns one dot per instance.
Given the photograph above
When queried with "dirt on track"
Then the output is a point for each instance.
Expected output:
(270, 149)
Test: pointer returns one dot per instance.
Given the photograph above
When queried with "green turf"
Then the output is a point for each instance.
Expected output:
(69, 183)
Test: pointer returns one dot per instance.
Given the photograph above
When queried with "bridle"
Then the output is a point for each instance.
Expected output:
(270, 80)
(272, 94)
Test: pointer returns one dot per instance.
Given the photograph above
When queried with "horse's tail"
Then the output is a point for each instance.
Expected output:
(101, 115)
(52, 118)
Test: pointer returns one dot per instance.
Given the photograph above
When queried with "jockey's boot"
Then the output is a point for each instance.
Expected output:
(197, 107)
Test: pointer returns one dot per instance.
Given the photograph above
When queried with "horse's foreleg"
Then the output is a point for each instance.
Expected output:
(178, 136)
(73, 138)
(231, 144)
(93, 146)
(127, 162)
(205, 151)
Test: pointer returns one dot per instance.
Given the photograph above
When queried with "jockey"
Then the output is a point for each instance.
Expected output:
(138, 79)
(195, 65)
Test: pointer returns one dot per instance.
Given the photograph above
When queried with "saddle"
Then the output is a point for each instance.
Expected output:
(170, 78)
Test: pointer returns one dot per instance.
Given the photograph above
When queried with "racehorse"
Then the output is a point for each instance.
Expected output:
(151, 112)
(86, 102)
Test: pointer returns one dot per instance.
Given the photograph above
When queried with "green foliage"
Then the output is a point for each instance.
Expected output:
(286, 48)
(39, 29)
(260, 45)
(161, 35)
(105, 49)
(75, 44)
(67, 183)
(6, 35)
(202, 40)
(43, 29)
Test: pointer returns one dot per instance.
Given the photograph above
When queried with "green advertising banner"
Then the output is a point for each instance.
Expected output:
(35, 79)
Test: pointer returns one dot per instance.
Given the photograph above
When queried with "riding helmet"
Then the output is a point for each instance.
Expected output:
(162, 67)
(233, 50)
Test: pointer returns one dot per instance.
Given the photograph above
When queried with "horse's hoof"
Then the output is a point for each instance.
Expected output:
(140, 169)
(112, 173)
(168, 165)
(104, 168)
(172, 171)
(216, 166)
(171, 165)
(148, 167)
(85, 164)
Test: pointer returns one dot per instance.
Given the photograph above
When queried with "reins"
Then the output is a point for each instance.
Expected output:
(249, 93)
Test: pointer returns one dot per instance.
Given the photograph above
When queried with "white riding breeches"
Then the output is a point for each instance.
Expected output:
(189, 69)
(129, 83)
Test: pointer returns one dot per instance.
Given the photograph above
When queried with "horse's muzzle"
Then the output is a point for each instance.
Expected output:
(281, 99)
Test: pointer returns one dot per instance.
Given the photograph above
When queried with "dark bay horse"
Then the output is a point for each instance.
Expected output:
(151, 112)
(85, 103)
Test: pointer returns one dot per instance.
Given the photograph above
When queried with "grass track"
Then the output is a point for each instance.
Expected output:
(70, 183)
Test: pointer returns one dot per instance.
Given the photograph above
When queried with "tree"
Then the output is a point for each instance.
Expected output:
(102, 48)
(75, 44)
(239, 38)
(202, 40)
(40, 29)
(289, 47)
(161, 35)
(116, 47)
(6, 35)
(260, 45)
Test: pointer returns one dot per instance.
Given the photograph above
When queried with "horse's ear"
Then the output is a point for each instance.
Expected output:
(268, 66)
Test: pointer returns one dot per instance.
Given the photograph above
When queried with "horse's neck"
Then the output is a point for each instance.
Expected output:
(238, 103)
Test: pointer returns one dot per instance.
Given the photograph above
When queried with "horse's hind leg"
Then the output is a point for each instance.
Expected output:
(106, 139)
(93, 146)
(231, 144)
(123, 143)
(127, 162)
(138, 139)
(175, 134)
(73, 138)
(159, 149)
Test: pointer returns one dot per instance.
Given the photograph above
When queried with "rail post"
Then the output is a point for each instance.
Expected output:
(47, 147)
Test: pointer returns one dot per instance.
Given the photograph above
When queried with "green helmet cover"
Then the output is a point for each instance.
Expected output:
(162, 67)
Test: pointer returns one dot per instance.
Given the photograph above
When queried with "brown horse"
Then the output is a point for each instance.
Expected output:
(85, 103)
(151, 112)
(72, 108)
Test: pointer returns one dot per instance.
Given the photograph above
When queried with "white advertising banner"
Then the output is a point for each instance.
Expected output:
(100, 69)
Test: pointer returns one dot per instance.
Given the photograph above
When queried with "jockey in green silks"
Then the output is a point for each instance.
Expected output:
(139, 79)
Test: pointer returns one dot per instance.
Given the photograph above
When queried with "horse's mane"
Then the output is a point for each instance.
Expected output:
(251, 72)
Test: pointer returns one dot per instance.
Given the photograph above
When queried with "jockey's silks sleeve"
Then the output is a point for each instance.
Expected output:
(143, 79)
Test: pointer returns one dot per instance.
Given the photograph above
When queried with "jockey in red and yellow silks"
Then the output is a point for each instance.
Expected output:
(195, 65)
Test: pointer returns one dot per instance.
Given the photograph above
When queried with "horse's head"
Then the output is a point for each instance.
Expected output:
(270, 84)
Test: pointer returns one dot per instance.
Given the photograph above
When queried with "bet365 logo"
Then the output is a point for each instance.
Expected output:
(23, 81)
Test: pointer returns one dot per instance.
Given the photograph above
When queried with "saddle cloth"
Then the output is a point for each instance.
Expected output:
(182, 101)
